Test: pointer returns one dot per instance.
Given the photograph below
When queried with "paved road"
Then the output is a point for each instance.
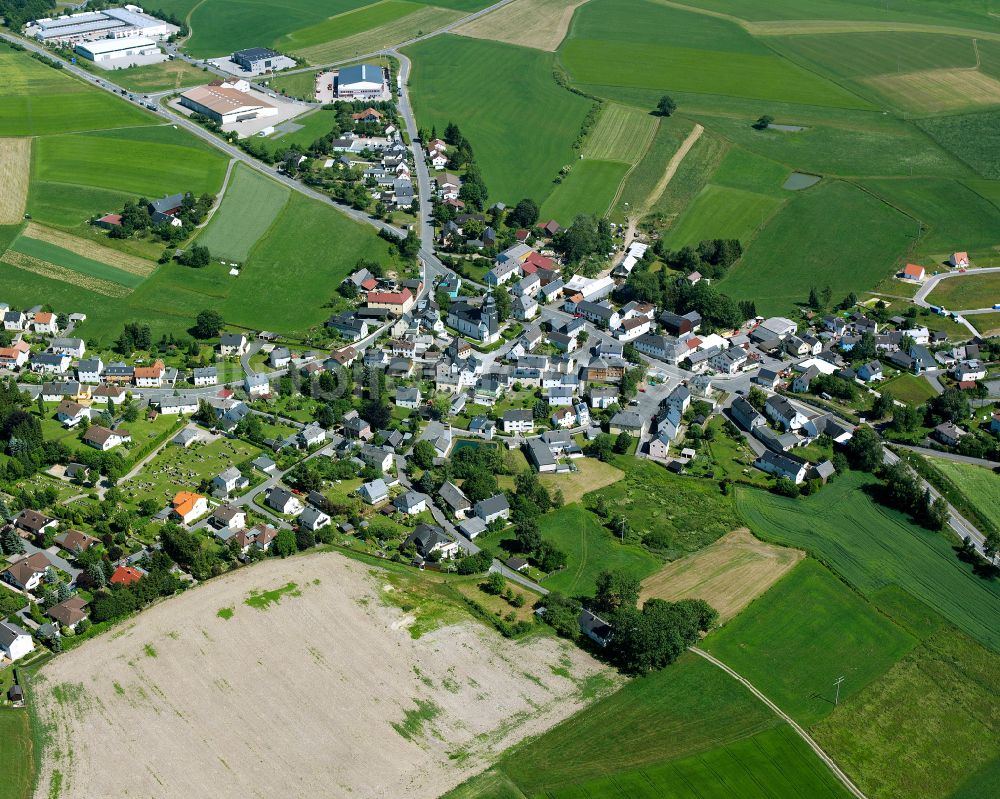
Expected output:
(920, 298)
(837, 771)
(951, 456)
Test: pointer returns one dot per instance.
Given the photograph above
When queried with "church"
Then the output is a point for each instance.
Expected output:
(477, 323)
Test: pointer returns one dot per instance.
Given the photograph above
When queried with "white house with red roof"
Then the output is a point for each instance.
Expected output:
(396, 302)
(959, 259)
(914, 273)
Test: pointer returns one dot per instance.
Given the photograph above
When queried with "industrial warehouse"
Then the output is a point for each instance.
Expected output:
(362, 82)
(110, 23)
(226, 102)
(103, 50)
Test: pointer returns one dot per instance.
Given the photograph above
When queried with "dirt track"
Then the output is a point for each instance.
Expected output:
(324, 693)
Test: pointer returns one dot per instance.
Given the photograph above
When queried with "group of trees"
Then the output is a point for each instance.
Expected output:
(588, 239)
(473, 192)
(136, 219)
(122, 600)
(18, 13)
(135, 337)
(529, 501)
(197, 256)
(712, 257)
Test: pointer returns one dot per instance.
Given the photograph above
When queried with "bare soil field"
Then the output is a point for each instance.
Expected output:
(938, 89)
(591, 474)
(295, 678)
(728, 574)
(15, 168)
(90, 249)
(541, 24)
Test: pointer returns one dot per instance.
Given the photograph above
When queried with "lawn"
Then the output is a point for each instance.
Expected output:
(688, 52)
(301, 85)
(167, 75)
(312, 126)
(981, 486)
(589, 188)
(967, 291)
(36, 99)
(251, 203)
(590, 475)
(988, 324)
(591, 549)
(672, 515)
(923, 727)
(873, 547)
(642, 181)
(909, 388)
(832, 235)
(803, 634)
(16, 761)
(520, 123)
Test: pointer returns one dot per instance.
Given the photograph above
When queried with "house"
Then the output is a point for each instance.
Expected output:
(12, 358)
(356, 427)
(782, 412)
(71, 413)
(374, 492)
(410, 503)
(228, 517)
(110, 395)
(871, 371)
(922, 358)
(801, 383)
(729, 361)
(233, 344)
(90, 370)
(659, 447)
(602, 396)
(49, 363)
(15, 642)
(496, 507)
(45, 323)
(259, 536)
(279, 357)
(774, 327)
(396, 302)
(782, 466)
(745, 415)
(179, 406)
(188, 506)
(118, 373)
(429, 540)
(484, 426)
(438, 159)
(104, 439)
(595, 628)
(229, 481)
(959, 259)
(949, 433)
(205, 376)
(313, 519)
(126, 575)
(377, 457)
(767, 378)
(150, 376)
(69, 612)
(664, 348)
(502, 272)
(257, 385)
(540, 455)
(408, 398)
(454, 498)
(312, 435)
(914, 273)
(34, 523)
(626, 422)
(679, 398)
(28, 572)
(283, 501)
(74, 541)
(264, 464)
(472, 527)
(518, 420)
(969, 371)
(73, 347)
(582, 414)
(525, 308)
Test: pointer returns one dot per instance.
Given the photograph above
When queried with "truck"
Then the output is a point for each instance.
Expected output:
(996, 306)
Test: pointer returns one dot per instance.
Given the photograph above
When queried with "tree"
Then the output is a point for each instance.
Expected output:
(757, 398)
(97, 576)
(601, 448)
(622, 443)
(208, 324)
(524, 215)
(10, 542)
(304, 539)
(528, 536)
(814, 301)
(883, 405)
(423, 454)
(658, 634)
(864, 450)
(562, 613)
(951, 405)
(196, 256)
(763, 122)
(495, 583)
(504, 304)
(284, 544)
(666, 106)
(616, 589)
(938, 515)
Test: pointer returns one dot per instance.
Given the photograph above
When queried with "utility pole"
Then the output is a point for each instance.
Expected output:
(837, 682)
(621, 527)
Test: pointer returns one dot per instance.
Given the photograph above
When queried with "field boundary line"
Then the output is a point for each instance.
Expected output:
(829, 761)
(221, 195)
(672, 166)
(621, 184)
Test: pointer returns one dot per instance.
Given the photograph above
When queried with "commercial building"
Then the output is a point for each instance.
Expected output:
(256, 59)
(361, 82)
(111, 23)
(111, 49)
(226, 102)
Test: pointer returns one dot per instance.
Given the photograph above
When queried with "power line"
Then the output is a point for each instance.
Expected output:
(837, 682)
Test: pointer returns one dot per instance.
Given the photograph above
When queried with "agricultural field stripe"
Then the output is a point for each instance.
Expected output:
(15, 168)
(52, 271)
(541, 24)
(71, 260)
(93, 251)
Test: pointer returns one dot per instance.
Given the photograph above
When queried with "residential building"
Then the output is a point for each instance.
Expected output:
(205, 376)
(782, 466)
(314, 519)
(283, 501)
(90, 370)
(455, 498)
(229, 482)
(233, 344)
(782, 412)
(518, 420)
(188, 506)
(429, 539)
(396, 302)
(150, 376)
(69, 612)
(496, 507)
(33, 523)
(104, 439)
(15, 642)
(374, 491)
(28, 572)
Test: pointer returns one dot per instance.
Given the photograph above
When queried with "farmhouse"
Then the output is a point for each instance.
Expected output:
(232, 344)
(959, 259)
(226, 102)
(111, 49)
(361, 82)
(782, 466)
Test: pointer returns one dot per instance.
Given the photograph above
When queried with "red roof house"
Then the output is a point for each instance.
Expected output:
(126, 575)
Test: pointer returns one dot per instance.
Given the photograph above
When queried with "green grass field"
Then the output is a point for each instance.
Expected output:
(988, 324)
(723, 212)
(805, 632)
(36, 100)
(831, 235)
(166, 75)
(973, 138)
(925, 725)
(589, 188)
(16, 762)
(78, 263)
(674, 515)
(979, 484)
(591, 549)
(311, 127)
(669, 49)
(520, 123)
(251, 203)
(873, 547)
(347, 24)
(301, 85)
(908, 388)
(967, 291)
(642, 181)
(621, 134)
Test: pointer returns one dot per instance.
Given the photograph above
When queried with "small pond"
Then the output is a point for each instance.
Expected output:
(786, 128)
(800, 180)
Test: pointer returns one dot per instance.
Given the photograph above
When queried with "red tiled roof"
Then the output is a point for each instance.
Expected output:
(391, 297)
(126, 575)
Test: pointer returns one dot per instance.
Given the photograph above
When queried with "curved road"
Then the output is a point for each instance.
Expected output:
(920, 298)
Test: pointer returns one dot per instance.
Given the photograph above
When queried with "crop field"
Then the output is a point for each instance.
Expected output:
(86, 248)
(723, 212)
(665, 48)
(15, 754)
(46, 250)
(621, 134)
(349, 23)
(78, 275)
(908, 388)
(507, 104)
(644, 179)
(590, 549)
(872, 547)
(967, 291)
(832, 235)
(15, 166)
(36, 100)
(541, 24)
(690, 177)
(252, 201)
(590, 475)
(728, 574)
(423, 19)
(979, 484)
(924, 726)
(973, 138)
(411, 712)
(936, 90)
(673, 515)
(589, 188)
(800, 636)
